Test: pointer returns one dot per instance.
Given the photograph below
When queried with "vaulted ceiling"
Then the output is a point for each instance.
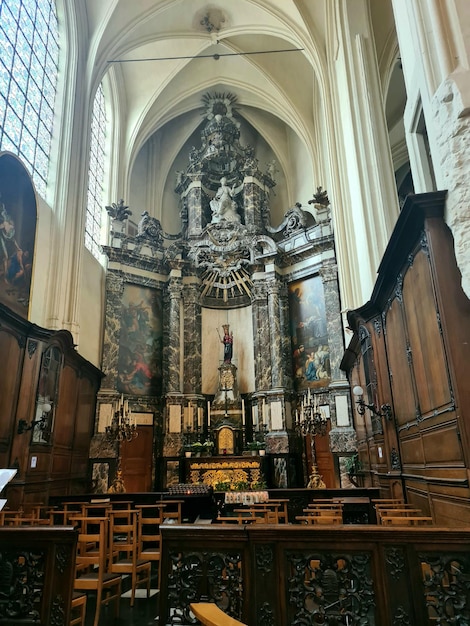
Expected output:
(162, 56)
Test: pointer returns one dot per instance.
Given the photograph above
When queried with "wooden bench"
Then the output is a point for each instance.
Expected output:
(209, 614)
(407, 521)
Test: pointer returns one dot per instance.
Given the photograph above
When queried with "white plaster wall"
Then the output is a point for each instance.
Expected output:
(434, 45)
(40, 276)
(138, 187)
(91, 303)
(241, 324)
(91, 312)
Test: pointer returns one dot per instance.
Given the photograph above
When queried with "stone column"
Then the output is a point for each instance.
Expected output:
(329, 276)
(194, 206)
(112, 329)
(192, 365)
(284, 337)
(261, 336)
(369, 204)
(253, 196)
(274, 332)
(174, 336)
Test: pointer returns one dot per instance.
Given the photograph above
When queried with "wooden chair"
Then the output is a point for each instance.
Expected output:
(283, 514)
(78, 606)
(409, 512)
(242, 517)
(62, 517)
(124, 542)
(172, 511)
(325, 506)
(395, 510)
(91, 574)
(270, 511)
(420, 520)
(333, 511)
(327, 520)
(149, 520)
(209, 614)
(255, 516)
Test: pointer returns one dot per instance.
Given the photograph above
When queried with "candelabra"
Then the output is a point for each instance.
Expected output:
(312, 419)
(120, 427)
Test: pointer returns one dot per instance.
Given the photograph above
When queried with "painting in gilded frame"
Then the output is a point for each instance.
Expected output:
(18, 215)
(141, 341)
(309, 333)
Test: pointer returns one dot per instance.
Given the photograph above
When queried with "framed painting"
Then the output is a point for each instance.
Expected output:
(309, 333)
(141, 341)
(18, 214)
(101, 473)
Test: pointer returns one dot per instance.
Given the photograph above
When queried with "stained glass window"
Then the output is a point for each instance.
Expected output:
(95, 202)
(29, 52)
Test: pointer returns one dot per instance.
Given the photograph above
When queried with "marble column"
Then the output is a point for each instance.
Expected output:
(342, 435)
(284, 337)
(274, 326)
(174, 336)
(329, 276)
(253, 196)
(261, 336)
(192, 364)
(112, 330)
(193, 201)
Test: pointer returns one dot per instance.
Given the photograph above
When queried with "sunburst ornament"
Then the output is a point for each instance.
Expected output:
(222, 104)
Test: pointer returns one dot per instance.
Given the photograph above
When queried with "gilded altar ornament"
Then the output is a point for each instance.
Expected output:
(226, 440)
(232, 473)
(315, 481)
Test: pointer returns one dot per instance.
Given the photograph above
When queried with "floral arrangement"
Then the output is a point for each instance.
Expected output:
(256, 445)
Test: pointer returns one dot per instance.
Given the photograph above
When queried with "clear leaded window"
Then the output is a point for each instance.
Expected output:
(95, 202)
(29, 52)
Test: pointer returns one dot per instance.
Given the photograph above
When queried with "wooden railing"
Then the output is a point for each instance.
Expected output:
(37, 566)
(294, 575)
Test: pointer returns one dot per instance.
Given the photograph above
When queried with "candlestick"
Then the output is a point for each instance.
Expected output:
(264, 412)
(243, 412)
(208, 413)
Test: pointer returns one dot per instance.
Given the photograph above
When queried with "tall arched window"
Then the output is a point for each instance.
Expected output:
(29, 52)
(95, 205)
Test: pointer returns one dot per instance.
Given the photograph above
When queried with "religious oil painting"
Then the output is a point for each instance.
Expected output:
(100, 471)
(309, 333)
(141, 339)
(17, 234)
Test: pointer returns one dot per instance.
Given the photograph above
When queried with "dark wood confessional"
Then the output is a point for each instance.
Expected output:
(410, 350)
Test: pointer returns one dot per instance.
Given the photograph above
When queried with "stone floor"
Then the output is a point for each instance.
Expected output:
(143, 613)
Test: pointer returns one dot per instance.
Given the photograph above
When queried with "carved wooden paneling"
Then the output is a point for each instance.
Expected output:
(428, 359)
(293, 575)
(66, 411)
(38, 567)
(404, 401)
(426, 332)
(30, 380)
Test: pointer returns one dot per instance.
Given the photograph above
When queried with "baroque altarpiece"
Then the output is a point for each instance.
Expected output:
(218, 332)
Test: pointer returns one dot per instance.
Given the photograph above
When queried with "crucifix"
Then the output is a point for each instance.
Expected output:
(225, 389)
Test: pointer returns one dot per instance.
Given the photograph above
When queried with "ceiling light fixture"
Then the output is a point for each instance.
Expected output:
(216, 56)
